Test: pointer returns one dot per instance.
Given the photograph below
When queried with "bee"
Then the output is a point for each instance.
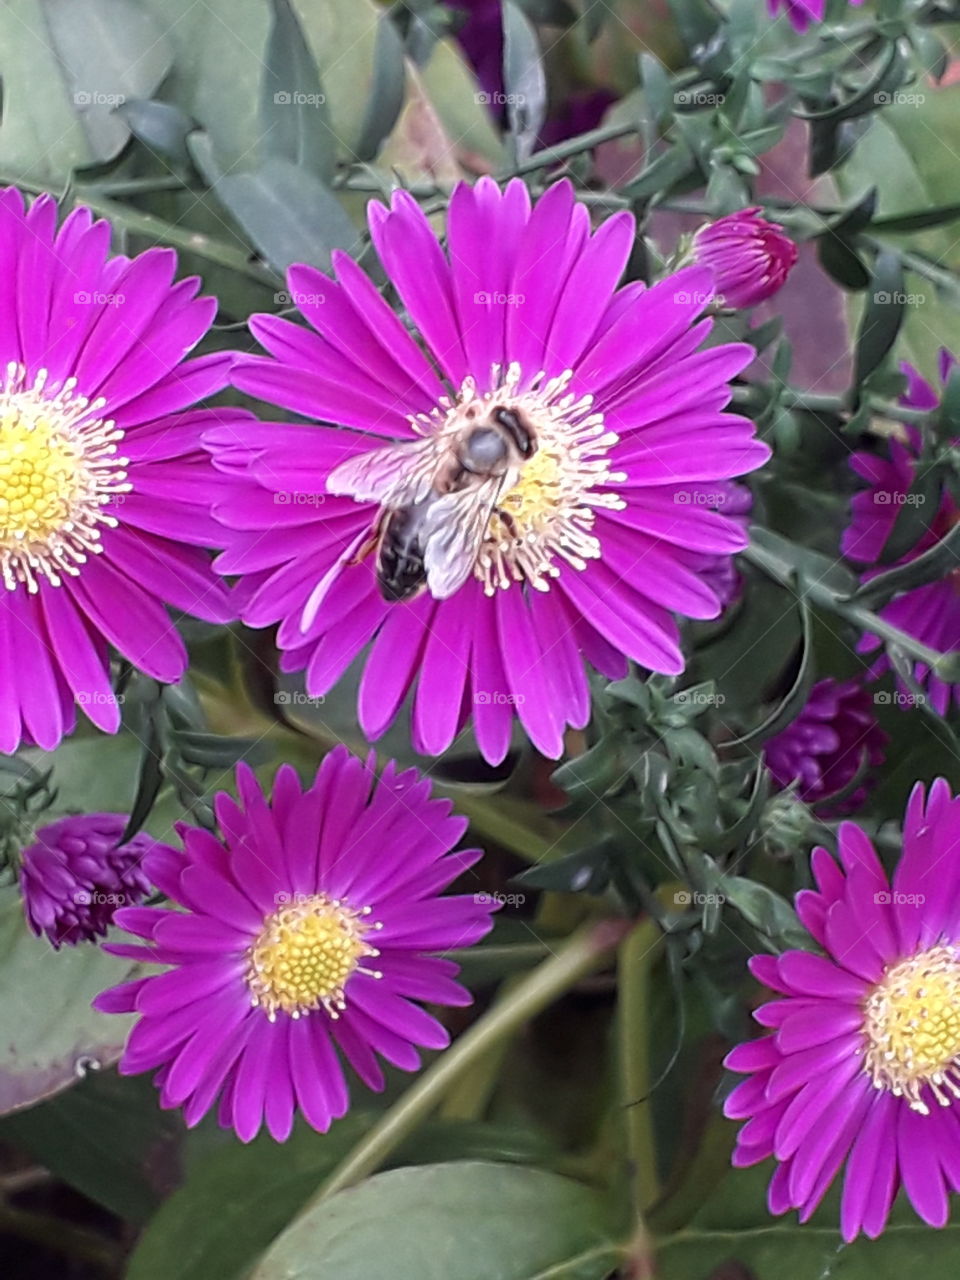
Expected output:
(437, 497)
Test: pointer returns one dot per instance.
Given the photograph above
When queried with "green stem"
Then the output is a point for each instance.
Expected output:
(156, 229)
(584, 952)
(574, 147)
(862, 618)
(637, 955)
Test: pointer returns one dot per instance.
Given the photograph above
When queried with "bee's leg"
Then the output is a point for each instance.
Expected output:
(508, 523)
(371, 544)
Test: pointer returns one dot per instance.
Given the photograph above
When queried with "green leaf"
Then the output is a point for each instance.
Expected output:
(238, 1198)
(387, 92)
(160, 126)
(939, 561)
(909, 153)
(795, 700)
(919, 220)
(293, 106)
(524, 79)
(49, 1035)
(287, 213)
(882, 316)
(66, 66)
(437, 1223)
(149, 779)
(842, 262)
(133, 1160)
(104, 779)
(769, 913)
(662, 174)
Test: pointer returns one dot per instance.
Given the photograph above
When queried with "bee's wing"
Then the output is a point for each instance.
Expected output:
(394, 475)
(452, 533)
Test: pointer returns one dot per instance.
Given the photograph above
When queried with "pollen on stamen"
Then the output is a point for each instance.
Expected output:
(912, 1029)
(59, 470)
(305, 954)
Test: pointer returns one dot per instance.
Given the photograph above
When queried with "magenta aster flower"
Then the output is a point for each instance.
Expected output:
(534, 487)
(103, 511)
(75, 876)
(305, 930)
(863, 1063)
(749, 256)
(827, 745)
(930, 613)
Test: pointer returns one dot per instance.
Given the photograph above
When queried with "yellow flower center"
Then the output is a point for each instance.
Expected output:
(305, 954)
(546, 507)
(912, 1026)
(58, 470)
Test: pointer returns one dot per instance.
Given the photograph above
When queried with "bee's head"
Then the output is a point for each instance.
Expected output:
(484, 449)
(516, 428)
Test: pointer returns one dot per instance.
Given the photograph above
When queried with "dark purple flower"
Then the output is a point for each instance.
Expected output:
(480, 36)
(580, 553)
(74, 876)
(930, 613)
(862, 1066)
(749, 256)
(800, 13)
(104, 514)
(309, 928)
(827, 745)
(579, 112)
(481, 39)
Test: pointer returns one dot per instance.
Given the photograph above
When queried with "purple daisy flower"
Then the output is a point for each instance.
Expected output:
(305, 930)
(863, 1063)
(826, 746)
(930, 613)
(104, 484)
(749, 256)
(75, 876)
(533, 488)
